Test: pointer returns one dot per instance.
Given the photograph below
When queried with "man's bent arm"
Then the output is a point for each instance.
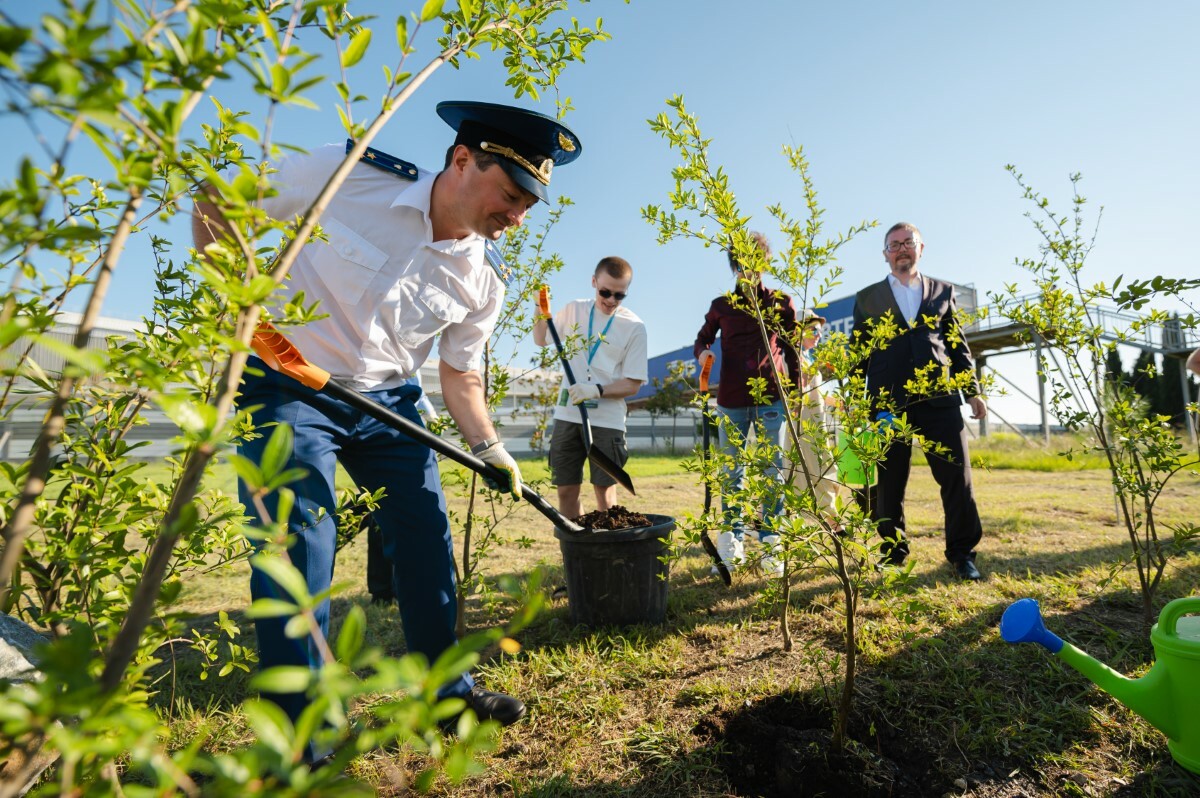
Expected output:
(619, 389)
(462, 393)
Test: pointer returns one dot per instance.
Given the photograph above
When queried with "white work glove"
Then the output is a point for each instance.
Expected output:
(583, 391)
(496, 455)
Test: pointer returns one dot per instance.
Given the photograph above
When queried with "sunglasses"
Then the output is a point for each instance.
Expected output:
(617, 295)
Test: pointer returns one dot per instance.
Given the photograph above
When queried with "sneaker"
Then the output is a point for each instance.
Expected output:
(770, 560)
(731, 550)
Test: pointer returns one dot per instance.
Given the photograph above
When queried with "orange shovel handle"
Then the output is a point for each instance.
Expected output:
(278, 353)
(543, 300)
(706, 363)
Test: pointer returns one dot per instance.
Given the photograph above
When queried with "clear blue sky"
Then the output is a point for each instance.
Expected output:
(905, 111)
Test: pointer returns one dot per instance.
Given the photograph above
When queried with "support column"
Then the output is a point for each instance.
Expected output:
(1043, 417)
(1185, 386)
(979, 364)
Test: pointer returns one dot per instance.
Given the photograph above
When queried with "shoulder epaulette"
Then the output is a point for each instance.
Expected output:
(388, 163)
(502, 270)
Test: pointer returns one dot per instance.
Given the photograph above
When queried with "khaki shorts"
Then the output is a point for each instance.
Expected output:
(567, 453)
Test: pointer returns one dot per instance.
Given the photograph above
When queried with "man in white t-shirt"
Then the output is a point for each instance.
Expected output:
(402, 266)
(609, 364)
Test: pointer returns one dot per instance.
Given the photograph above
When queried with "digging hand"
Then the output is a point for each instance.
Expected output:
(496, 455)
(583, 392)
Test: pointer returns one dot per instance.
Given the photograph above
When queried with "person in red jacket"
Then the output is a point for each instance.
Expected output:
(744, 357)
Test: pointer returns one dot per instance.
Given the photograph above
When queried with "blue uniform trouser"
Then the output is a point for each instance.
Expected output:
(767, 420)
(412, 516)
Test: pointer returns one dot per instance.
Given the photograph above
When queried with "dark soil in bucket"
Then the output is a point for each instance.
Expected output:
(781, 747)
(615, 517)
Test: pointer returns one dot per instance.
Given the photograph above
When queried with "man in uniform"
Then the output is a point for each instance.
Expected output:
(402, 264)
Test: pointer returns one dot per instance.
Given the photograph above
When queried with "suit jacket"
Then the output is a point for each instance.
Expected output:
(928, 340)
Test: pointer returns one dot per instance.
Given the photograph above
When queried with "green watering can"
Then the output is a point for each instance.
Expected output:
(1168, 697)
(852, 471)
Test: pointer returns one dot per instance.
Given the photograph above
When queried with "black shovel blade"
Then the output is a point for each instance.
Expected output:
(705, 540)
(608, 466)
(711, 548)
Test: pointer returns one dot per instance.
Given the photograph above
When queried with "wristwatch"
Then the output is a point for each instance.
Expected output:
(484, 445)
(600, 388)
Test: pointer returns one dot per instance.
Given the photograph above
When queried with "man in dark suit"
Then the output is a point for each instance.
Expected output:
(928, 349)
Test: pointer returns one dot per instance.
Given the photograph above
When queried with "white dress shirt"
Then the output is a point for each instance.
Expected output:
(388, 288)
(908, 297)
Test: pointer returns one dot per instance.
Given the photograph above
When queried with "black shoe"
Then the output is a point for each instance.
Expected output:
(967, 571)
(894, 557)
(504, 709)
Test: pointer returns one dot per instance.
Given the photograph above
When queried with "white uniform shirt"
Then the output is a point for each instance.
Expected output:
(621, 354)
(387, 286)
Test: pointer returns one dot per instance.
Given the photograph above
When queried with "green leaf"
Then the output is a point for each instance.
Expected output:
(431, 10)
(271, 726)
(286, 477)
(89, 360)
(248, 471)
(357, 48)
(454, 661)
(283, 679)
(196, 418)
(170, 591)
(296, 627)
(271, 608)
(278, 451)
(13, 330)
(402, 31)
(350, 639)
(187, 520)
(284, 574)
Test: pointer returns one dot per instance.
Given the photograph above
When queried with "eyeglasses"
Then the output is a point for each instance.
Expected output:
(908, 243)
(617, 295)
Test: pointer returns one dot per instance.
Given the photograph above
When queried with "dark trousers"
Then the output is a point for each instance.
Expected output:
(951, 470)
(379, 569)
(414, 527)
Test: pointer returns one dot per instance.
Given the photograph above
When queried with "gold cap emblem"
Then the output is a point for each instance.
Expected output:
(565, 142)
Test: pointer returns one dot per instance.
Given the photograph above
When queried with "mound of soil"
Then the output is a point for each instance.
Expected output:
(615, 517)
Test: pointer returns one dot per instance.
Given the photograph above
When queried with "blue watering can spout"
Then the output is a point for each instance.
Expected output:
(1022, 623)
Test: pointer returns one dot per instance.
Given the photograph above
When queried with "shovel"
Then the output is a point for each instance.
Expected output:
(706, 364)
(279, 353)
(597, 456)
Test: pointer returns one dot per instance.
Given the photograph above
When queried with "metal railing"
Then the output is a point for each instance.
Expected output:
(1114, 325)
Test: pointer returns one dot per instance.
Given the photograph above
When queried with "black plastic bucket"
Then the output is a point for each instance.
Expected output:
(616, 577)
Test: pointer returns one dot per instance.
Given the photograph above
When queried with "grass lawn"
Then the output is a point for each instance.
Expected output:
(698, 706)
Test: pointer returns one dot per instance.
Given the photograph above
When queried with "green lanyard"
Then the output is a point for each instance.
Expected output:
(593, 347)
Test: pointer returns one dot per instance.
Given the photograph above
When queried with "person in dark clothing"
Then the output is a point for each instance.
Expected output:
(745, 356)
(929, 343)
